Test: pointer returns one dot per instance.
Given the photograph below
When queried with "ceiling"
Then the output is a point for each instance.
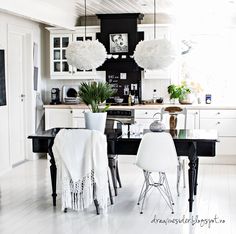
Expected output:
(123, 6)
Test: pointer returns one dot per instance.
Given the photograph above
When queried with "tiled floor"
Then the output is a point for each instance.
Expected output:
(26, 205)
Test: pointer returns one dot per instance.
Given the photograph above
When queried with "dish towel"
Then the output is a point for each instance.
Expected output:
(82, 163)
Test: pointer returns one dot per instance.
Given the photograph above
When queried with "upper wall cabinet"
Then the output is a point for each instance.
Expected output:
(59, 40)
(162, 31)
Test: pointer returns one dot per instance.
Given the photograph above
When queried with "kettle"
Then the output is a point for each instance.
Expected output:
(157, 125)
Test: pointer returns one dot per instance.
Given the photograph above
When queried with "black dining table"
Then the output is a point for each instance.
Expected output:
(192, 143)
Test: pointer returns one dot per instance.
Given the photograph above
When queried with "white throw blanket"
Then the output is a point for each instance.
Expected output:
(81, 159)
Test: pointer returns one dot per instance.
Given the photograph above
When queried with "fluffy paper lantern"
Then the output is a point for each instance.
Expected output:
(86, 55)
(154, 54)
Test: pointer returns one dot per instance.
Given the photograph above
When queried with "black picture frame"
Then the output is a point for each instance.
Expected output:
(3, 100)
(118, 43)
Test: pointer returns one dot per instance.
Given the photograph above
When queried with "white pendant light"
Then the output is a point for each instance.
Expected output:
(86, 55)
(156, 53)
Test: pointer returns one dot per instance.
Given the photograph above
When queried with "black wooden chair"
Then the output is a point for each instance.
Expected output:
(114, 127)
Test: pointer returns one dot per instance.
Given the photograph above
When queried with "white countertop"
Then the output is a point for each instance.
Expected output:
(148, 106)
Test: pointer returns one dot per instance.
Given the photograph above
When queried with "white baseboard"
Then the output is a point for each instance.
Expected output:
(5, 171)
(219, 159)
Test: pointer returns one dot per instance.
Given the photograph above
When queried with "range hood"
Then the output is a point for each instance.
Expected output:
(119, 35)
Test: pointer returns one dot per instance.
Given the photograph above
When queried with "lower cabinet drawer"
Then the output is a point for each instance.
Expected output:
(145, 114)
(225, 127)
(218, 114)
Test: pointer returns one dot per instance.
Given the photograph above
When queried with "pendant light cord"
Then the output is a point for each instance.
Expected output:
(154, 19)
(85, 19)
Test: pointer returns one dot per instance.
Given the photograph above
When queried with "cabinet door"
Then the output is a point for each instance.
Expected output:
(143, 123)
(225, 127)
(192, 120)
(59, 66)
(78, 118)
(58, 118)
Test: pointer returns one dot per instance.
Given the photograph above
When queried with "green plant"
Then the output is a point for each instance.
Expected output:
(178, 91)
(94, 94)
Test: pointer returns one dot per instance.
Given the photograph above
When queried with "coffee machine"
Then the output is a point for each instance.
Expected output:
(55, 96)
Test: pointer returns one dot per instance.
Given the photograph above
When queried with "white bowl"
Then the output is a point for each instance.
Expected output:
(119, 100)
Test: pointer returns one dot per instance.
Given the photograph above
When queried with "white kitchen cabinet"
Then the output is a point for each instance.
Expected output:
(64, 118)
(58, 62)
(224, 121)
(78, 118)
(192, 120)
(162, 31)
(59, 41)
(58, 118)
(145, 117)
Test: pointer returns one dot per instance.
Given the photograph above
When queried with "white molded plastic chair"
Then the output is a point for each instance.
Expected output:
(173, 112)
(157, 153)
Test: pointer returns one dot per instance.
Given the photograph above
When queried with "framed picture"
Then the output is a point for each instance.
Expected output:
(119, 43)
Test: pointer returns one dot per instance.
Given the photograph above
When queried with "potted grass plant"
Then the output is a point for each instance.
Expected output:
(94, 94)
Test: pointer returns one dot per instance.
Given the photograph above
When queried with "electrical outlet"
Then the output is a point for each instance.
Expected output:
(134, 87)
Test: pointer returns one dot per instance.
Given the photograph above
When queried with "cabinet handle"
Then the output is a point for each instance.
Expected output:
(218, 122)
(196, 113)
(218, 113)
(70, 72)
(71, 111)
(146, 113)
(73, 72)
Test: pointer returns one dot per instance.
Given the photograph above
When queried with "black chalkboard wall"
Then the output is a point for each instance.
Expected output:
(2, 79)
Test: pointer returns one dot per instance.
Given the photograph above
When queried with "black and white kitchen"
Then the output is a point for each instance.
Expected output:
(117, 116)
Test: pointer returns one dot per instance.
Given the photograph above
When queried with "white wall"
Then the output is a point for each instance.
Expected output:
(53, 12)
(5, 21)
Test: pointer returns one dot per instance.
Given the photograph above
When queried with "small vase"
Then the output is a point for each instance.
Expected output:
(187, 100)
(174, 101)
(95, 121)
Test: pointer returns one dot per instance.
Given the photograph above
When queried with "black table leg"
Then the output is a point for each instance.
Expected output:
(192, 174)
(195, 184)
(53, 170)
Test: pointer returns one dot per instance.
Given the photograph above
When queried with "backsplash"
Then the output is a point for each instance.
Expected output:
(161, 88)
(147, 87)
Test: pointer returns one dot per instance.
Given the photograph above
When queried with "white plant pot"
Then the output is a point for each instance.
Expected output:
(95, 121)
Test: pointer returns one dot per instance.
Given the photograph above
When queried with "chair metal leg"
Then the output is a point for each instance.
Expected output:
(164, 189)
(162, 185)
(146, 176)
(141, 192)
